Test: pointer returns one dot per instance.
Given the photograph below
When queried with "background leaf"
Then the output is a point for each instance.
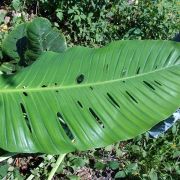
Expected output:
(14, 45)
(43, 37)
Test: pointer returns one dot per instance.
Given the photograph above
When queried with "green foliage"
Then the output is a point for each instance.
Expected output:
(97, 22)
(118, 87)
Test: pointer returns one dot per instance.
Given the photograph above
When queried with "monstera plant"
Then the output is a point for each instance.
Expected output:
(85, 98)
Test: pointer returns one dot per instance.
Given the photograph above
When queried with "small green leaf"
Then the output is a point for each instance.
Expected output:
(59, 14)
(3, 170)
(132, 167)
(153, 175)
(114, 165)
(176, 154)
(79, 162)
(99, 165)
(120, 174)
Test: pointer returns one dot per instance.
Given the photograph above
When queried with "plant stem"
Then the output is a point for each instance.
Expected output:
(58, 162)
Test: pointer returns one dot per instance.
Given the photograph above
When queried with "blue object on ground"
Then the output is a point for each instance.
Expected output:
(164, 125)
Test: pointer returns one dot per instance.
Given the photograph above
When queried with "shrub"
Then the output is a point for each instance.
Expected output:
(97, 22)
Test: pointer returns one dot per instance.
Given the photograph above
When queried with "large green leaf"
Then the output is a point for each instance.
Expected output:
(85, 98)
(43, 37)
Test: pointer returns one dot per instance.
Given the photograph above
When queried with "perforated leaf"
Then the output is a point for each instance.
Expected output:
(85, 98)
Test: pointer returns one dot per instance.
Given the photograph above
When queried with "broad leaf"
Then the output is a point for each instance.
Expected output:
(43, 37)
(14, 45)
(29, 40)
(85, 98)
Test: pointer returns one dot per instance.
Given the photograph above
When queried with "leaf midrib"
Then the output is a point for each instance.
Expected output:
(52, 88)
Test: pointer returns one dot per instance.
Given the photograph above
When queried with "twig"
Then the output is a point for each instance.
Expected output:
(58, 162)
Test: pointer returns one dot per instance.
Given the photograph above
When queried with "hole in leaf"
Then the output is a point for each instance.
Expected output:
(80, 78)
(149, 85)
(57, 91)
(80, 104)
(96, 117)
(26, 117)
(43, 86)
(155, 67)
(137, 72)
(65, 126)
(132, 97)
(25, 93)
(113, 101)
(158, 83)
(107, 67)
(123, 81)
(55, 84)
(91, 87)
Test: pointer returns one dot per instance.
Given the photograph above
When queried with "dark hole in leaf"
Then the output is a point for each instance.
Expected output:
(132, 97)
(43, 86)
(80, 104)
(113, 101)
(96, 117)
(91, 87)
(80, 78)
(55, 84)
(137, 72)
(26, 117)
(25, 93)
(65, 126)
(107, 67)
(158, 83)
(155, 67)
(123, 81)
(57, 91)
(149, 85)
